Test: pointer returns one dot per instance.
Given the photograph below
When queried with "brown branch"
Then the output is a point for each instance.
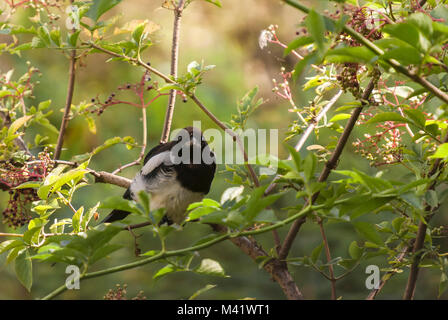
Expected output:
(68, 103)
(275, 267)
(174, 62)
(330, 165)
(417, 250)
(14, 235)
(100, 176)
(328, 256)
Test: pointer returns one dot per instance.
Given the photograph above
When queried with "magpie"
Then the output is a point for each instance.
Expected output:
(175, 174)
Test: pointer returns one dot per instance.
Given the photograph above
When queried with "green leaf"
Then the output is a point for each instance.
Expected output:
(297, 43)
(339, 117)
(431, 198)
(355, 251)
(165, 270)
(309, 166)
(387, 116)
(104, 252)
(350, 54)
(303, 64)
(28, 185)
(99, 7)
(24, 269)
(423, 22)
(367, 230)
(16, 125)
(77, 217)
(138, 31)
(210, 267)
(416, 116)
(441, 152)
(296, 157)
(5, 245)
(405, 55)
(316, 27)
(200, 212)
(119, 203)
(258, 202)
(409, 33)
(315, 254)
(10, 244)
(215, 2)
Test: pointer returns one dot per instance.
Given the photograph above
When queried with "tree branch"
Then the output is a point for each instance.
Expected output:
(174, 62)
(68, 103)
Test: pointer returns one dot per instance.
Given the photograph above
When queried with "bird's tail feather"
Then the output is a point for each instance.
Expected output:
(116, 215)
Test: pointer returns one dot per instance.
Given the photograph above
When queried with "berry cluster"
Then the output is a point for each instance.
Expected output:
(348, 79)
(362, 21)
(119, 293)
(12, 174)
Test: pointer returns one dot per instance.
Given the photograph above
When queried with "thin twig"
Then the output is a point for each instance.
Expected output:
(14, 235)
(145, 142)
(174, 62)
(68, 103)
(328, 256)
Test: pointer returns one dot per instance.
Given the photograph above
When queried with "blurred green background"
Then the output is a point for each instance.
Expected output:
(227, 38)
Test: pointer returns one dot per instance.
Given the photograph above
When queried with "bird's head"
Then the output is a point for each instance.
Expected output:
(192, 145)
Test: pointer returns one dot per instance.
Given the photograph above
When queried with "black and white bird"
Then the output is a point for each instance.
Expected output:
(175, 174)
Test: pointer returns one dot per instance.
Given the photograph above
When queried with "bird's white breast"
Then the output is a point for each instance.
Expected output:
(168, 194)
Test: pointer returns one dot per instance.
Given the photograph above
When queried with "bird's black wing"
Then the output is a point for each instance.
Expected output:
(121, 214)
